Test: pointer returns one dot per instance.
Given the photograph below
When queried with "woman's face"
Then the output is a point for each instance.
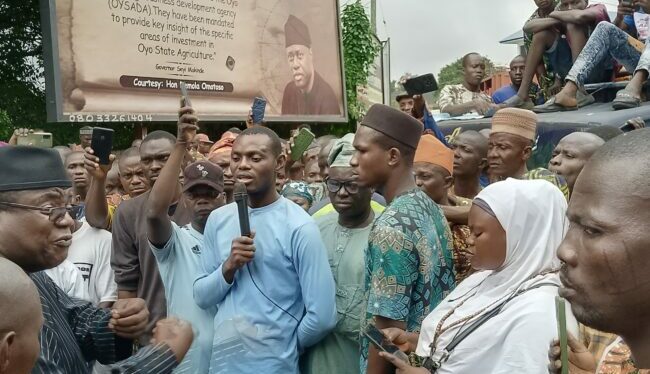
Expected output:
(487, 241)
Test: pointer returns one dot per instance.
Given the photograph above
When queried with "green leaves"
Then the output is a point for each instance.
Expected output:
(22, 98)
(359, 52)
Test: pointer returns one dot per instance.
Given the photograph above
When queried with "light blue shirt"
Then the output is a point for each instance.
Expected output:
(179, 261)
(279, 304)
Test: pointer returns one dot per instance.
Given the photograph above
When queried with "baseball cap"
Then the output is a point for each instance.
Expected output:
(203, 173)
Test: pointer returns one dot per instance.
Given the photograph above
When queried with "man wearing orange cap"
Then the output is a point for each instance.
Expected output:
(510, 146)
(433, 169)
(220, 155)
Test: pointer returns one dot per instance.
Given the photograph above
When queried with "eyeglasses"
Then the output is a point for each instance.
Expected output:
(334, 186)
(54, 214)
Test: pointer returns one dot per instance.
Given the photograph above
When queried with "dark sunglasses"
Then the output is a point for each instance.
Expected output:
(335, 186)
(54, 214)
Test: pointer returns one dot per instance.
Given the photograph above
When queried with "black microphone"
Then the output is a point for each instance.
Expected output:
(241, 198)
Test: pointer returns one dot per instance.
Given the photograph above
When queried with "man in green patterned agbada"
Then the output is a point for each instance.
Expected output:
(409, 264)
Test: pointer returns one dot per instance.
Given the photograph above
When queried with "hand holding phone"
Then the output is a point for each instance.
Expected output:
(258, 110)
(380, 342)
(301, 142)
(560, 309)
(102, 144)
(421, 85)
(185, 95)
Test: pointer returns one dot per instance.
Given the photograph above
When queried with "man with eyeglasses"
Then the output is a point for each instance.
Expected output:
(35, 234)
(345, 233)
(178, 248)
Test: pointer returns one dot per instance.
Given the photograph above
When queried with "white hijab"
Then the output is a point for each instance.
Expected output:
(532, 214)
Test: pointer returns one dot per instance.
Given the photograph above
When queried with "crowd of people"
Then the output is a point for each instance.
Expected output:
(569, 44)
(449, 247)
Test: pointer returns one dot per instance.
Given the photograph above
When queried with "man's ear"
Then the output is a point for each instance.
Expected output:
(6, 341)
(280, 162)
(449, 182)
(483, 164)
(527, 153)
(394, 157)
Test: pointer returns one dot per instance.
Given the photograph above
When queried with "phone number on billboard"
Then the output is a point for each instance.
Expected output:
(110, 118)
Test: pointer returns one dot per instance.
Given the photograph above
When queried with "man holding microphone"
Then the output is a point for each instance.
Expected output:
(273, 288)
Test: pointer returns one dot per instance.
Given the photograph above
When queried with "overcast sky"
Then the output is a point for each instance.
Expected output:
(428, 34)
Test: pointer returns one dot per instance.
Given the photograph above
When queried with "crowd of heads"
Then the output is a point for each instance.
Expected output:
(452, 231)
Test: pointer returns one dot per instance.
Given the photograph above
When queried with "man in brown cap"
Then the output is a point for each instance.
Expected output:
(409, 257)
(510, 146)
(308, 93)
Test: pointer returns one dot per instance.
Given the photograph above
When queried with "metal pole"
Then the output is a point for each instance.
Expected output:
(373, 15)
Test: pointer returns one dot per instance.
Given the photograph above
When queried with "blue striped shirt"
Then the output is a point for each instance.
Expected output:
(75, 333)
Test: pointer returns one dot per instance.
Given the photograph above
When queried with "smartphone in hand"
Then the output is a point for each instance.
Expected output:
(380, 342)
(102, 144)
(259, 107)
(184, 94)
(301, 142)
(560, 311)
(421, 85)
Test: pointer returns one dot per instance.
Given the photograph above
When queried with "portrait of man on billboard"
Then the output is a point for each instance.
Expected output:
(307, 93)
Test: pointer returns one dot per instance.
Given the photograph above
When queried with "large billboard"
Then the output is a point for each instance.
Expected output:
(122, 60)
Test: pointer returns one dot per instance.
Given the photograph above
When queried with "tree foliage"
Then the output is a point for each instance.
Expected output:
(359, 52)
(22, 98)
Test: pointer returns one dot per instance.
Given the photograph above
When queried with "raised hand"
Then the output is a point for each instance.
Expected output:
(188, 124)
(94, 168)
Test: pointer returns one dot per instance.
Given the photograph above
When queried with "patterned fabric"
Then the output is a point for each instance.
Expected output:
(596, 341)
(549, 77)
(618, 360)
(547, 175)
(460, 234)
(409, 262)
(338, 352)
(113, 201)
(75, 333)
(196, 155)
(300, 189)
(458, 94)
(317, 190)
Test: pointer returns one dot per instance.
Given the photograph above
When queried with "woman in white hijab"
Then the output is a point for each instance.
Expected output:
(517, 227)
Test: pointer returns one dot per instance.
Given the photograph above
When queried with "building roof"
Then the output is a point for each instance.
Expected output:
(515, 38)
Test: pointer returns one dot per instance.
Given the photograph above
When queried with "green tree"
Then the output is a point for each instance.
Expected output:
(359, 52)
(453, 74)
(22, 98)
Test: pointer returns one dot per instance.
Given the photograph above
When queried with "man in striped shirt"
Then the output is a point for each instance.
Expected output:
(35, 233)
